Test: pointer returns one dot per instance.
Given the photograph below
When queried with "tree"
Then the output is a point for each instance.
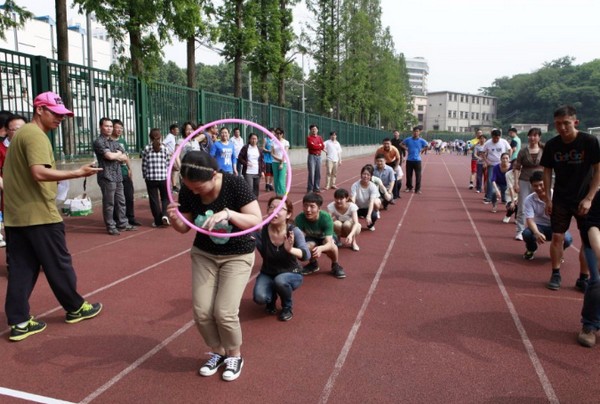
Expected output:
(285, 46)
(238, 34)
(12, 16)
(64, 88)
(145, 23)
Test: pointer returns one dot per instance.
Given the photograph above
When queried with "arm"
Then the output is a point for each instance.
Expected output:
(295, 244)
(586, 203)
(548, 188)
(176, 222)
(42, 173)
(540, 238)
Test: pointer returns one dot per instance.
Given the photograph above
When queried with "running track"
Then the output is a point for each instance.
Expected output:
(438, 307)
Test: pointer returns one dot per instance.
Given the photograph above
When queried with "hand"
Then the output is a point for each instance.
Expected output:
(89, 169)
(288, 243)
(540, 238)
(316, 252)
(516, 187)
(213, 220)
(368, 219)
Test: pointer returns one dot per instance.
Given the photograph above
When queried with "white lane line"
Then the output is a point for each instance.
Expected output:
(110, 285)
(31, 397)
(535, 361)
(341, 359)
(136, 364)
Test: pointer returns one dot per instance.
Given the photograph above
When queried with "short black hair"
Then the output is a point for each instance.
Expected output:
(117, 122)
(565, 110)
(173, 126)
(496, 132)
(341, 193)
(313, 197)
(536, 176)
(104, 119)
(379, 156)
(513, 130)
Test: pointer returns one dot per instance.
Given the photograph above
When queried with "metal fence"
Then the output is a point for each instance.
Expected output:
(92, 94)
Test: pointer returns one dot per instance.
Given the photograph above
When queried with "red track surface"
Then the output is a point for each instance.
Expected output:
(438, 307)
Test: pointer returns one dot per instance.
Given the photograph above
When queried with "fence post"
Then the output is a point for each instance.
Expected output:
(202, 107)
(40, 75)
(142, 112)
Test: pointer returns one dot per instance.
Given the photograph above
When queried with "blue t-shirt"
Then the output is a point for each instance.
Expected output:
(225, 156)
(414, 148)
(267, 156)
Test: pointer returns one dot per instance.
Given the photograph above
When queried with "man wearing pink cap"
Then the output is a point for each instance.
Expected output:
(35, 231)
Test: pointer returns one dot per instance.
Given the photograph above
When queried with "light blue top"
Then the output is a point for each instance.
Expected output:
(414, 148)
(268, 157)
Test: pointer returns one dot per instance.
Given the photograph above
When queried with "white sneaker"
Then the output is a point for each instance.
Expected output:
(165, 221)
(519, 237)
(506, 219)
(233, 368)
(2, 243)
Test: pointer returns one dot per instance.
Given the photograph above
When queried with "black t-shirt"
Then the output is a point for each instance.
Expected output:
(572, 164)
(235, 193)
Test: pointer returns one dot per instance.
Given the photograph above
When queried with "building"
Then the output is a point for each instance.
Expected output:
(459, 112)
(420, 108)
(418, 70)
(38, 37)
(525, 127)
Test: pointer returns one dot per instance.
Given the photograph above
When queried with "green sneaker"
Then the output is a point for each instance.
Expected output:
(86, 311)
(528, 255)
(32, 327)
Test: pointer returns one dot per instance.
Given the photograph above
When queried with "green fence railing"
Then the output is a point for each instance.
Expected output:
(94, 93)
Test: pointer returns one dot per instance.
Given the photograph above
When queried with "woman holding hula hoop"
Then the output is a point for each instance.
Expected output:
(221, 267)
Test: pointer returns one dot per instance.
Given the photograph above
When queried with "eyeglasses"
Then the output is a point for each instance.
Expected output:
(271, 207)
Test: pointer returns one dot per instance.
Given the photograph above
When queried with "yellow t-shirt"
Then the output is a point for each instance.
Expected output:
(28, 202)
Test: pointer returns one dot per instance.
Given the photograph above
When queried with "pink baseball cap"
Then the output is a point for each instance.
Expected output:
(53, 102)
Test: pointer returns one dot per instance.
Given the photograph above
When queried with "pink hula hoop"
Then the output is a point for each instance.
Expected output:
(221, 122)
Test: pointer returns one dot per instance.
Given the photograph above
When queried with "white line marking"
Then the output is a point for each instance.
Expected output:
(110, 285)
(339, 363)
(31, 397)
(535, 361)
(136, 364)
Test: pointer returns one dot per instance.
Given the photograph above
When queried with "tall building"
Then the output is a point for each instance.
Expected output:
(418, 70)
(459, 112)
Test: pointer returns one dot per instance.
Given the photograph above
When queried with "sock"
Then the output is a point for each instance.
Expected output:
(22, 325)
(555, 271)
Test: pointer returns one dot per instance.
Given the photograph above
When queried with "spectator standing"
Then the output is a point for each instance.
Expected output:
(224, 152)
(527, 162)
(281, 245)
(34, 227)
(315, 145)
(279, 166)
(221, 267)
(127, 174)
(493, 149)
(12, 124)
(415, 146)
(155, 161)
(110, 154)
(574, 159)
(267, 149)
(479, 152)
(238, 143)
(333, 150)
(171, 143)
(515, 144)
(253, 163)
(474, 160)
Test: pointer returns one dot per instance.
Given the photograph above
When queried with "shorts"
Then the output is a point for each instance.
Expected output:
(315, 240)
(473, 166)
(561, 218)
(269, 170)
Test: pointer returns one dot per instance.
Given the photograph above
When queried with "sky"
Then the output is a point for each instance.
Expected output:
(467, 43)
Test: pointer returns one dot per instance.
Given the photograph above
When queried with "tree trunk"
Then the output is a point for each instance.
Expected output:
(238, 59)
(62, 45)
(191, 78)
(135, 42)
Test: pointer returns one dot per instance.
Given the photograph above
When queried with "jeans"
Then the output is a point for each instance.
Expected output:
(524, 190)
(268, 287)
(479, 178)
(314, 173)
(490, 188)
(530, 240)
(502, 189)
(416, 167)
(113, 203)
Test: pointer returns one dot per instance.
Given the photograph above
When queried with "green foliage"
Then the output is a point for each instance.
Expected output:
(12, 16)
(533, 97)
(145, 23)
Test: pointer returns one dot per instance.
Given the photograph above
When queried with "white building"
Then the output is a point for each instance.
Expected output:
(420, 108)
(459, 112)
(38, 37)
(418, 70)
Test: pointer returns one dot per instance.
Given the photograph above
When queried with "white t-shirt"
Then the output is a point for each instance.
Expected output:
(495, 150)
(342, 216)
(170, 142)
(253, 156)
(238, 143)
(333, 150)
(362, 196)
(277, 152)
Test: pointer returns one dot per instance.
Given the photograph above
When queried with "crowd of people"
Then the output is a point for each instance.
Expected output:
(545, 186)
(217, 180)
